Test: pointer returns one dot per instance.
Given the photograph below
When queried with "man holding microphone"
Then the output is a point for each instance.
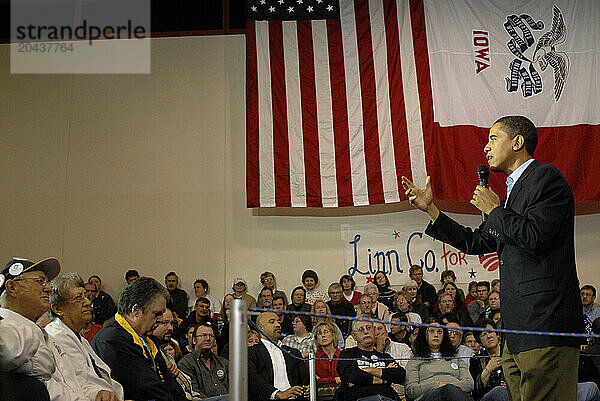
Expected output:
(532, 230)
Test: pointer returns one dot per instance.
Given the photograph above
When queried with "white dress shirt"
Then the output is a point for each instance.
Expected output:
(280, 379)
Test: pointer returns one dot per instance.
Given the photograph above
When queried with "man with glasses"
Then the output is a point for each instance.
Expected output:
(209, 372)
(339, 306)
(124, 343)
(26, 355)
(72, 311)
(455, 333)
(366, 373)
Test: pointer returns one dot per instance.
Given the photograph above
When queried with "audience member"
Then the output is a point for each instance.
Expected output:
(284, 319)
(426, 291)
(72, 311)
(348, 284)
(459, 303)
(448, 276)
(104, 306)
(470, 341)
(240, 291)
(131, 275)
(298, 298)
(172, 348)
(202, 290)
(403, 304)
(265, 298)
(123, 343)
(253, 338)
(322, 308)
(267, 279)
(28, 353)
(486, 369)
(446, 305)
(222, 331)
(589, 359)
(209, 373)
(445, 377)
(310, 279)
(302, 339)
(275, 374)
(327, 354)
(399, 351)
(178, 298)
(475, 308)
(365, 307)
(455, 334)
(590, 311)
(201, 314)
(379, 310)
(90, 329)
(161, 335)
(495, 285)
(417, 303)
(472, 295)
(338, 305)
(188, 345)
(365, 371)
(386, 294)
(400, 333)
(493, 305)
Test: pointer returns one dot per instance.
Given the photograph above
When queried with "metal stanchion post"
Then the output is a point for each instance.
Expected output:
(312, 373)
(238, 351)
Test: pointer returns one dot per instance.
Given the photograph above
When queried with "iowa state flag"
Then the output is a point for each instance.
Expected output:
(343, 98)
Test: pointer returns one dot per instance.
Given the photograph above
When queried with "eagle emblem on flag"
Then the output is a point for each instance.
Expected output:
(545, 53)
(523, 68)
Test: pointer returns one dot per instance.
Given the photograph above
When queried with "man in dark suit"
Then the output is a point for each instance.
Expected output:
(274, 374)
(532, 230)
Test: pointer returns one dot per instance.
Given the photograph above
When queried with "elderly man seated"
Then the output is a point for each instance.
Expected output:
(72, 312)
(367, 373)
(124, 344)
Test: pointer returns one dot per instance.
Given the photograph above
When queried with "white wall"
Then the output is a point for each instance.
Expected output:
(110, 172)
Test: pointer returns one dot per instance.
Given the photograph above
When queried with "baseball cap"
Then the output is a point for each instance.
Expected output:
(17, 266)
(239, 280)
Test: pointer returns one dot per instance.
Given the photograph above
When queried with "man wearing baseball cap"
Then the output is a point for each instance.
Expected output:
(25, 348)
(240, 289)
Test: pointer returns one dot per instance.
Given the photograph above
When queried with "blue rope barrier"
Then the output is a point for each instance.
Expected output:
(255, 311)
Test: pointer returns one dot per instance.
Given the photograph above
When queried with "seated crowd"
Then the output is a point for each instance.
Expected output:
(64, 339)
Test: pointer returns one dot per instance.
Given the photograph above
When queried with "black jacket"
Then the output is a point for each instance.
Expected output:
(260, 371)
(534, 238)
(357, 383)
(116, 345)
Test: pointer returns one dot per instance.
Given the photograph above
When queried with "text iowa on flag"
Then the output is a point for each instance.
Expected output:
(345, 98)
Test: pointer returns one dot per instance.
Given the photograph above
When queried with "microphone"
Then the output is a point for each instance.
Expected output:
(483, 173)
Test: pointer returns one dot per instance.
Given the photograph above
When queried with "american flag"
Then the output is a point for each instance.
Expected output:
(333, 115)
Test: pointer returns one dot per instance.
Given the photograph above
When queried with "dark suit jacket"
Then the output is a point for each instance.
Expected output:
(260, 371)
(534, 237)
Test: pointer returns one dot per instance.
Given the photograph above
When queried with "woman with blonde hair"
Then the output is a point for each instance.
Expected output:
(327, 354)
(322, 308)
(403, 303)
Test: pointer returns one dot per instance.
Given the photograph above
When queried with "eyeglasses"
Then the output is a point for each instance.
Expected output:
(41, 281)
(78, 299)
(454, 332)
(205, 335)
(365, 329)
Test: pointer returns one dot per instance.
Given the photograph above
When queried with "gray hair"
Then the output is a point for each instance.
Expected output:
(356, 322)
(369, 286)
(335, 286)
(141, 292)
(411, 283)
(60, 289)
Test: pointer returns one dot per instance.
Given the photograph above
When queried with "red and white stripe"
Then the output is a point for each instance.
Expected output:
(333, 114)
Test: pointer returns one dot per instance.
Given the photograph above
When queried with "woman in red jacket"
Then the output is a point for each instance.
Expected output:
(326, 339)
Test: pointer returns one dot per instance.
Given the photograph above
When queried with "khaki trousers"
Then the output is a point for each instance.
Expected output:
(542, 374)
